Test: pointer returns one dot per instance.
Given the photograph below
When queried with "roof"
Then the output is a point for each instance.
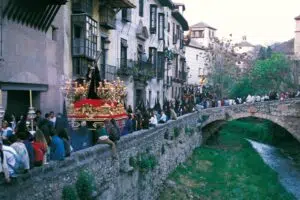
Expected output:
(167, 3)
(298, 17)
(203, 25)
(244, 44)
(195, 44)
(179, 17)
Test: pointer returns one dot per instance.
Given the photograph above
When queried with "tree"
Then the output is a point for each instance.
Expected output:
(268, 52)
(262, 53)
(271, 74)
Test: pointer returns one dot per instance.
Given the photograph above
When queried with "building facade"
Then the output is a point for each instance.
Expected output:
(139, 45)
(31, 54)
(198, 52)
(140, 41)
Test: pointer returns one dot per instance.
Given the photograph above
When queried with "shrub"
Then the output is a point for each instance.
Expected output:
(146, 162)
(69, 193)
(85, 185)
(176, 132)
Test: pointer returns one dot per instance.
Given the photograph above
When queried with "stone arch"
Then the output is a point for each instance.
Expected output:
(276, 120)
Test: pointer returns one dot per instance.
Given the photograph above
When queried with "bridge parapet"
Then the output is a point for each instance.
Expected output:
(284, 113)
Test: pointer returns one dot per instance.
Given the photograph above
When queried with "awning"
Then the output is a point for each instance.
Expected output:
(37, 14)
(23, 86)
(122, 3)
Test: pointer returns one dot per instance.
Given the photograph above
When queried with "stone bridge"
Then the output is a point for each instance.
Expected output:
(284, 113)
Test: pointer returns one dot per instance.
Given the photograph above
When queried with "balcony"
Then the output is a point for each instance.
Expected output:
(82, 6)
(140, 70)
(108, 72)
(107, 18)
(119, 3)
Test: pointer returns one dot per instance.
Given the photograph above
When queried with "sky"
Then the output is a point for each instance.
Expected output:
(262, 21)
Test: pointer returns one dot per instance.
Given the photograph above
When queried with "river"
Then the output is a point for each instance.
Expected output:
(289, 176)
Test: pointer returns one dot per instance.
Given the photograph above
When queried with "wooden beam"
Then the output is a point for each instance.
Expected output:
(51, 18)
(46, 17)
(41, 16)
(8, 7)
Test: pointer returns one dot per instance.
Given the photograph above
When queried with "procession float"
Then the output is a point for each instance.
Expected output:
(94, 100)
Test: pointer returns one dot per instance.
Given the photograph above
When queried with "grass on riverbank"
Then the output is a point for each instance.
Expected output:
(230, 170)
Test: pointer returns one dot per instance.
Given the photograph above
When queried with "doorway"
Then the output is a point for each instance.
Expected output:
(18, 101)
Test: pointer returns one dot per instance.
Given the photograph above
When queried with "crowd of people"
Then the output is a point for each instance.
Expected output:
(210, 101)
(20, 150)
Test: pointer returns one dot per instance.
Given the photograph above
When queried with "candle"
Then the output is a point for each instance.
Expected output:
(0, 97)
(30, 97)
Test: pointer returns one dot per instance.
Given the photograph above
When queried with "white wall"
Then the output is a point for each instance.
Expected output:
(297, 38)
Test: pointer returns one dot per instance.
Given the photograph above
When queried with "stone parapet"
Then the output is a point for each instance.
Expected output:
(171, 144)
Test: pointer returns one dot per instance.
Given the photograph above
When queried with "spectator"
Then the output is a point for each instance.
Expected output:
(6, 132)
(134, 123)
(38, 117)
(129, 109)
(173, 114)
(128, 126)
(26, 141)
(115, 131)
(57, 149)
(62, 133)
(40, 148)
(163, 118)
(20, 148)
(4, 168)
(52, 118)
(103, 138)
(153, 120)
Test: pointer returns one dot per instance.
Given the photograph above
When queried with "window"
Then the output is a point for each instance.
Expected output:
(126, 15)
(197, 57)
(178, 32)
(54, 33)
(161, 26)
(153, 18)
(153, 56)
(174, 34)
(124, 46)
(169, 27)
(141, 8)
(150, 97)
(80, 66)
(85, 36)
(160, 65)
(181, 39)
(157, 95)
(176, 66)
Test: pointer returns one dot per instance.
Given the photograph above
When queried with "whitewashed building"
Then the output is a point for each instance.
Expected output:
(138, 44)
(245, 51)
(198, 55)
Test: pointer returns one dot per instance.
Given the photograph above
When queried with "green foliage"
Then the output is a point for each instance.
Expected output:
(270, 74)
(69, 193)
(143, 162)
(85, 185)
(176, 132)
(230, 170)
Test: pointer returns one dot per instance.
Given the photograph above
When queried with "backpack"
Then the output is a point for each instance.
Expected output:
(19, 166)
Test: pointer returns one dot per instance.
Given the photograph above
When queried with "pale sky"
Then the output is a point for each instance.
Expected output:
(262, 21)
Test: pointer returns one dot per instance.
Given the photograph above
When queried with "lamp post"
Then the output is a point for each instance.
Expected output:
(31, 113)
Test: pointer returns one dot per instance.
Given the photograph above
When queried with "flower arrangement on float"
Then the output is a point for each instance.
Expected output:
(108, 104)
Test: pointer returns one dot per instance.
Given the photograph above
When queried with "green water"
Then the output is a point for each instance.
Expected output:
(231, 169)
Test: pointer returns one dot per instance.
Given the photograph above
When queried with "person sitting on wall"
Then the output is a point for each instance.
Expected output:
(163, 118)
(153, 120)
(5, 132)
(103, 138)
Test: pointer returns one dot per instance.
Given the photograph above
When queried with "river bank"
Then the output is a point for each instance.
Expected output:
(230, 168)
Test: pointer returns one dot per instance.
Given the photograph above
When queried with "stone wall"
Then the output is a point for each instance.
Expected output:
(115, 179)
